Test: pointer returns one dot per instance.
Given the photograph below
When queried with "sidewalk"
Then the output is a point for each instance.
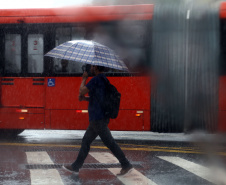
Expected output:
(147, 136)
(152, 137)
(132, 136)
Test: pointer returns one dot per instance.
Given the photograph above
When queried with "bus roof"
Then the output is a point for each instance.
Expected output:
(76, 14)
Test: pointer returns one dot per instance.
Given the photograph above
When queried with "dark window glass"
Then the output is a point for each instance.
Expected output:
(12, 53)
(64, 35)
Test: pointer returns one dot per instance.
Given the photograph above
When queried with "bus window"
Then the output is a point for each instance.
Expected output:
(35, 53)
(67, 66)
(132, 33)
(127, 39)
(64, 35)
(78, 33)
(12, 53)
(132, 37)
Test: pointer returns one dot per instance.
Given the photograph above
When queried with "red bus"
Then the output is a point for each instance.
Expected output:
(37, 94)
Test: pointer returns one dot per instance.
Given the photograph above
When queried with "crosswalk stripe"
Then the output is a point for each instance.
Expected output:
(38, 158)
(194, 168)
(45, 176)
(132, 178)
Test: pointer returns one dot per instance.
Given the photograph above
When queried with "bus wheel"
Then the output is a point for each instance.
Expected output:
(10, 132)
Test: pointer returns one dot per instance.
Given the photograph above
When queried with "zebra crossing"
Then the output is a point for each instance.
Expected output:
(53, 177)
(39, 176)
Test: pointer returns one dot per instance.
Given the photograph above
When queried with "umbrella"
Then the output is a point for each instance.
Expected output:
(88, 52)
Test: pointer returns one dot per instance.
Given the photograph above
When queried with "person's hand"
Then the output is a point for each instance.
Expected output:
(85, 75)
(81, 98)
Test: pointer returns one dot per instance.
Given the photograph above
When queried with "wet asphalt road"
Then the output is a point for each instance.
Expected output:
(36, 157)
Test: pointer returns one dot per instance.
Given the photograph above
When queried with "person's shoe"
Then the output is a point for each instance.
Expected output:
(125, 170)
(70, 169)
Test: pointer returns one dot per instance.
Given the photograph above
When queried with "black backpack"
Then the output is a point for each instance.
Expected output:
(112, 100)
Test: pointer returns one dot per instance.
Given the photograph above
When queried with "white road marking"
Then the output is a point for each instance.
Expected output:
(38, 158)
(43, 177)
(194, 168)
(132, 178)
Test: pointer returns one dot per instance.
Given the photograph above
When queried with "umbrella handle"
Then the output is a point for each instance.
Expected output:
(83, 68)
(86, 68)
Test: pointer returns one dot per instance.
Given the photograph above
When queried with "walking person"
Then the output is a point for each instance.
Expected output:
(98, 123)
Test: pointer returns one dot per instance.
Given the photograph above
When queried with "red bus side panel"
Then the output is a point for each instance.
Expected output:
(223, 10)
(24, 92)
(13, 118)
(127, 120)
(69, 119)
(135, 98)
(66, 112)
(64, 94)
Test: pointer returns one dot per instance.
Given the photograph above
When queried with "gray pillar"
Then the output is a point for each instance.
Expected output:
(185, 56)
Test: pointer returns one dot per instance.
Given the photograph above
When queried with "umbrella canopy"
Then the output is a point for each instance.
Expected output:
(88, 52)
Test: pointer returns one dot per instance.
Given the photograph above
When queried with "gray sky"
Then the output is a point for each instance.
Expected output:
(8, 4)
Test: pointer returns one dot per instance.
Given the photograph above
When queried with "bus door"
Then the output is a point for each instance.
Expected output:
(35, 68)
(63, 109)
(22, 84)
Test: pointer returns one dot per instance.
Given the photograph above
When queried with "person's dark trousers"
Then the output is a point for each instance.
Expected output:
(99, 128)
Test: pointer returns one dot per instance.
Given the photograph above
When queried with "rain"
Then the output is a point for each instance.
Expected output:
(171, 120)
